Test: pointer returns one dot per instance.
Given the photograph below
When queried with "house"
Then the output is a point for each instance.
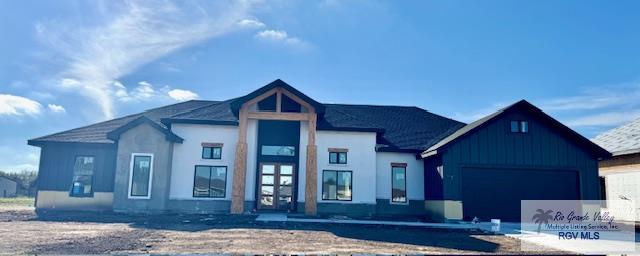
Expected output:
(276, 149)
(8, 187)
(620, 175)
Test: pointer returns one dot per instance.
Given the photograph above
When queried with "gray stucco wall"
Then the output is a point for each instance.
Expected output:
(143, 139)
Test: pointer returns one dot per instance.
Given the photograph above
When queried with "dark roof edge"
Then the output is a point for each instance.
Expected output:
(169, 121)
(351, 129)
(170, 136)
(591, 146)
(398, 150)
(626, 152)
(41, 143)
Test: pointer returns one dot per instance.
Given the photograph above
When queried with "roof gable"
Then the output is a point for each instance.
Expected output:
(170, 136)
(236, 104)
(525, 107)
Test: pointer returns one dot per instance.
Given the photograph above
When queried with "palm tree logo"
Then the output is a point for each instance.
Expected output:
(542, 217)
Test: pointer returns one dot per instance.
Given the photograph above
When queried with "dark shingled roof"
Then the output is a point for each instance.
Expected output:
(97, 133)
(621, 140)
(402, 129)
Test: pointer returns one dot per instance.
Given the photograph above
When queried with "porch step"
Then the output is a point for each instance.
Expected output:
(281, 217)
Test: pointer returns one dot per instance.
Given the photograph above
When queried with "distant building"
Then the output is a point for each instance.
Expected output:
(620, 175)
(7, 187)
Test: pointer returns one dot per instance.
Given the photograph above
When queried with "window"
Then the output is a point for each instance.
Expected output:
(399, 184)
(519, 126)
(336, 185)
(140, 175)
(338, 157)
(524, 126)
(210, 181)
(211, 152)
(278, 150)
(81, 185)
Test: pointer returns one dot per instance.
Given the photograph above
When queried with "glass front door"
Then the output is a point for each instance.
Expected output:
(276, 186)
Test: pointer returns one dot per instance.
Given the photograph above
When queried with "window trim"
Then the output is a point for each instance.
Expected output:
(211, 155)
(406, 191)
(346, 157)
(350, 186)
(226, 175)
(149, 188)
(92, 177)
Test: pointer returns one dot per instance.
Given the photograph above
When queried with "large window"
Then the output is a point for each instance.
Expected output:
(399, 184)
(336, 185)
(82, 183)
(140, 175)
(278, 150)
(210, 181)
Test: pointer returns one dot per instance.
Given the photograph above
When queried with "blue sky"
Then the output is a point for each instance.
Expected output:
(65, 64)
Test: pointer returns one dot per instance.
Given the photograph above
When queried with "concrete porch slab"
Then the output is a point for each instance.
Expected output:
(284, 218)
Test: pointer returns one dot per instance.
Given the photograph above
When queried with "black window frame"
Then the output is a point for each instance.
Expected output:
(211, 156)
(338, 157)
(406, 197)
(73, 176)
(211, 168)
(522, 126)
(336, 195)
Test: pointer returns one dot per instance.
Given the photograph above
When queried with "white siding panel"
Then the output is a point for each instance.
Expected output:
(252, 156)
(622, 189)
(415, 174)
(361, 160)
(189, 154)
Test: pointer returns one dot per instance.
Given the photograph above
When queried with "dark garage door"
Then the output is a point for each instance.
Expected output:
(496, 193)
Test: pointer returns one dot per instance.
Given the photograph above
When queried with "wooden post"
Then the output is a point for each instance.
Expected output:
(240, 166)
(311, 187)
(278, 101)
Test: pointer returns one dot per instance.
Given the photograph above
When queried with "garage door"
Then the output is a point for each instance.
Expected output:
(496, 193)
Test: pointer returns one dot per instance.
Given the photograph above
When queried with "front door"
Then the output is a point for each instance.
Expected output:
(276, 185)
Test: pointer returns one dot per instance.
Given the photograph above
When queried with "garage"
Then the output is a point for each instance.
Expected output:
(495, 193)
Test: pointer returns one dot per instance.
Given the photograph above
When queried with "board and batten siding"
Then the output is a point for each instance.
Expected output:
(56, 173)
(494, 146)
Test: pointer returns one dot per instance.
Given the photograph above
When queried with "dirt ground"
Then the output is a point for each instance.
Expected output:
(22, 231)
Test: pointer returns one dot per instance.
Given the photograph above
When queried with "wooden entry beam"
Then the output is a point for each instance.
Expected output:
(278, 116)
(240, 167)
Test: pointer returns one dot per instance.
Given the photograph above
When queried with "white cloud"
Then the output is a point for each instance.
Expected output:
(18, 106)
(597, 98)
(471, 116)
(251, 23)
(280, 36)
(146, 91)
(131, 36)
(18, 158)
(604, 119)
(56, 108)
(182, 95)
